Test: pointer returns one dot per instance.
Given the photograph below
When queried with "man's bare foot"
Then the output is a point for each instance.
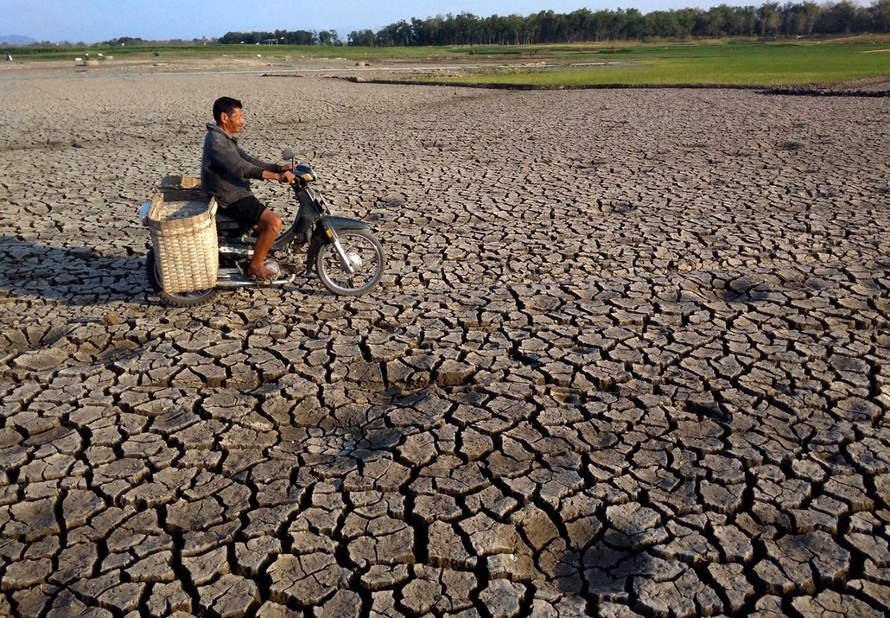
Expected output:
(261, 273)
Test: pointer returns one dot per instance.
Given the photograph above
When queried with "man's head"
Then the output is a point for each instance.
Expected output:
(228, 114)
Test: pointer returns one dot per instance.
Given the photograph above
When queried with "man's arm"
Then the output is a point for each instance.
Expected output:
(226, 155)
(272, 167)
(271, 171)
(285, 176)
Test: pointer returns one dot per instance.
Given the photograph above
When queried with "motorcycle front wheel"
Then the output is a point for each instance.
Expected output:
(364, 254)
(178, 299)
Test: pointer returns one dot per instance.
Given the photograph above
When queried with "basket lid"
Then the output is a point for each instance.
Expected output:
(170, 206)
(181, 210)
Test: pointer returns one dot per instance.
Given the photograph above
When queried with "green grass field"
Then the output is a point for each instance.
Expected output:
(735, 63)
(724, 62)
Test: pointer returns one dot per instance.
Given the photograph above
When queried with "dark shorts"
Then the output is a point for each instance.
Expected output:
(246, 211)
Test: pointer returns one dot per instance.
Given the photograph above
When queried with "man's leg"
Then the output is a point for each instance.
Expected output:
(267, 228)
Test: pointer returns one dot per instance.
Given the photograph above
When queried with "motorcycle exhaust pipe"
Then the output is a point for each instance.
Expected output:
(231, 285)
(231, 278)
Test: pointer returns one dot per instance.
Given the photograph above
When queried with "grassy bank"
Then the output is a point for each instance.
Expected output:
(725, 62)
(735, 63)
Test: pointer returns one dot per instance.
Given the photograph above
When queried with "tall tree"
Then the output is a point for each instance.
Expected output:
(880, 15)
(839, 19)
(770, 19)
(362, 38)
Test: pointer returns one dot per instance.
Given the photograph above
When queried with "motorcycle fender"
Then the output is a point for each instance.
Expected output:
(344, 223)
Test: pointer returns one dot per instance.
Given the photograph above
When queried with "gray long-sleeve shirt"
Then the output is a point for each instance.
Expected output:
(226, 169)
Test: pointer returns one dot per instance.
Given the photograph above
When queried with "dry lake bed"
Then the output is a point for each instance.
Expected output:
(630, 356)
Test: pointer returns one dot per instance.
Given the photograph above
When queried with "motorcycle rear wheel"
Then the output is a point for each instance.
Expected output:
(177, 299)
(365, 254)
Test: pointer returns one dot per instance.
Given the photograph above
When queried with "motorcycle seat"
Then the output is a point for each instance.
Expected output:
(227, 226)
(223, 218)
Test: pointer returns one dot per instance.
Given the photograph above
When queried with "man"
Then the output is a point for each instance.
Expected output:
(226, 171)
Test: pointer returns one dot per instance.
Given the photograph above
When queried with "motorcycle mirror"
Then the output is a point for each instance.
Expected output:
(287, 153)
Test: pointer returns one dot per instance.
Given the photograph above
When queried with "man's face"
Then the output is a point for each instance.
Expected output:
(234, 122)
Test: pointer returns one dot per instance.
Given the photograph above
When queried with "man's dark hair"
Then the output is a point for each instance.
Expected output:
(225, 105)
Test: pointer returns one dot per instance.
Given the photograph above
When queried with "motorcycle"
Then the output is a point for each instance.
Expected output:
(344, 253)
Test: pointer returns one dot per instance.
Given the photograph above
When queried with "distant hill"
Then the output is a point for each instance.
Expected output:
(14, 39)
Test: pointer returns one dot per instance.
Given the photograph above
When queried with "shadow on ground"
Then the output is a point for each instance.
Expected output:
(72, 275)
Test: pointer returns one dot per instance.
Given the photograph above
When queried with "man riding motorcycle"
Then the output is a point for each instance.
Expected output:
(226, 171)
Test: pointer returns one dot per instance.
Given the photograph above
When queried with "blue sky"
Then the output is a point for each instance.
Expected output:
(90, 21)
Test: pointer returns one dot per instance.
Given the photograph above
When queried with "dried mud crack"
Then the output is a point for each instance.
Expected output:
(629, 357)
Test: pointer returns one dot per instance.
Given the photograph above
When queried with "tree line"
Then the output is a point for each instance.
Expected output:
(769, 20)
(284, 37)
(772, 19)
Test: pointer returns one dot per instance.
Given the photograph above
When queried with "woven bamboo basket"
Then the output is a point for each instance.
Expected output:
(182, 222)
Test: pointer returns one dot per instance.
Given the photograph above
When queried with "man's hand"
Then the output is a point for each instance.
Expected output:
(285, 176)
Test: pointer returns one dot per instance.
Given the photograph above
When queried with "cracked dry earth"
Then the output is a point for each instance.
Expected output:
(630, 357)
